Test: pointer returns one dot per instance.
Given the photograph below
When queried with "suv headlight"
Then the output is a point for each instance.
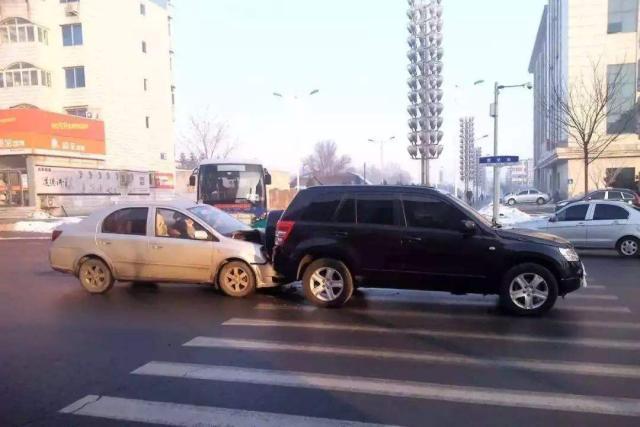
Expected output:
(569, 254)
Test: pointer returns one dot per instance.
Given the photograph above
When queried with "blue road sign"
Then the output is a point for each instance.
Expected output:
(499, 160)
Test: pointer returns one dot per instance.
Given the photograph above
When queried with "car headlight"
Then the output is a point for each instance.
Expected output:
(569, 254)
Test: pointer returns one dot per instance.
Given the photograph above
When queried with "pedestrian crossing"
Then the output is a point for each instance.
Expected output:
(358, 363)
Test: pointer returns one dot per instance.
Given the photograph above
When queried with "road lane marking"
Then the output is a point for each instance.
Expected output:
(402, 389)
(452, 316)
(598, 297)
(489, 303)
(576, 368)
(179, 414)
(585, 342)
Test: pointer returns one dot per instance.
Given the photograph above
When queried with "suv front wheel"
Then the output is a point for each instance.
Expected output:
(528, 290)
(327, 283)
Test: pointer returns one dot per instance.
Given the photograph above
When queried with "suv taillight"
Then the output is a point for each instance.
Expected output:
(283, 229)
(55, 234)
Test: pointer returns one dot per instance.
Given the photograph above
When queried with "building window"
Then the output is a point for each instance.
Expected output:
(144, 46)
(163, 156)
(24, 74)
(173, 95)
(171, 60)
(143, 9)
(74, 77)
(621, 105)
(20, 30)
(623, 16)
(146, 121)
(77, 111)
(145, 84)
(72, 35)
(169, 24)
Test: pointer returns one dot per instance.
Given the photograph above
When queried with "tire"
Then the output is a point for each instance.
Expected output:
(531, 301)
(540, 201)
(628, 247)
(236, 279)
(511, 202)
(95, 276)
(314, 285)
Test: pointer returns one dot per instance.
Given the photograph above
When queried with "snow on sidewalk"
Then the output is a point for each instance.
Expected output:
(508, 216)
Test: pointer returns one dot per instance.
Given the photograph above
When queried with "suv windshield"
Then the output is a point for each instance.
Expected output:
(220, 221)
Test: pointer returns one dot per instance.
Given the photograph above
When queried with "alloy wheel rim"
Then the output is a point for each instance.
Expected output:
(236, 279)
(629, 247)
(94, 277)
(529, 291)
(327, 284)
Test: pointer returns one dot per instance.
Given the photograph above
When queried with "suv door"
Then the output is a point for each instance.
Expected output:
(607, 225)
(377, 238)
(571, 224)
(438, 254)
(122, 237)
(175, 254)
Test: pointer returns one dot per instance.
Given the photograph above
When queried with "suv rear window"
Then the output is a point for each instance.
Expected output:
(321, 208)
(378, 209)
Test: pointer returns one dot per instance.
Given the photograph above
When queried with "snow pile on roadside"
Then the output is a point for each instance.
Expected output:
(42, 226)
(507, 215)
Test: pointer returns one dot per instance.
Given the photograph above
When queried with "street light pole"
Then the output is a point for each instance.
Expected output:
(382, 142)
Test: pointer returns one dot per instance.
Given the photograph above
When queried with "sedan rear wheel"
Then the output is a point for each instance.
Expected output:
(511, 202)
(528, 289)
(236, 279)
(95, 276)
(629, 247)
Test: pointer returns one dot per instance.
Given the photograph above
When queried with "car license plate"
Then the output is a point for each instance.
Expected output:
(583, 281)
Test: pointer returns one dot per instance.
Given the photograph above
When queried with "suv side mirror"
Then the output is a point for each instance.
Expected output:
(192, 181)
(468, 227)
(553, 218)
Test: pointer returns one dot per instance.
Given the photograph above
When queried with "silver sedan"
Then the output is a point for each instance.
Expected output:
(595, 225)
(162, 242)
(526, 196)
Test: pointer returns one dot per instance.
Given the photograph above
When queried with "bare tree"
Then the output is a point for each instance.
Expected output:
(584, 109)
(325, 160)
(207, 137)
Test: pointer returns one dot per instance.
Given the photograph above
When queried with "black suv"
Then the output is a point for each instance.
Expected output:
(334, 238)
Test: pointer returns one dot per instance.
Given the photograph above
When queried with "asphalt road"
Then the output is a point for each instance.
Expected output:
(188, 355)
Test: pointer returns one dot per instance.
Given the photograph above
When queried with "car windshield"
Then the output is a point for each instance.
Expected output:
(220, 221)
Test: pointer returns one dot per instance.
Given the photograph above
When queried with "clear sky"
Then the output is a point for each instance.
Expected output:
(230, 55)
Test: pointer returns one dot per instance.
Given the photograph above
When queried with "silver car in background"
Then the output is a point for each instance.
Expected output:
(526, 196)
(595, 225)
(177, 241)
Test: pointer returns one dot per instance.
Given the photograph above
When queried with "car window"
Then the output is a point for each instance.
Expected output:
(614, 195)
(627, 196)
(610, 212)
(523, 193)
(131, 221)
(534, 192)
(347, 211)
(321, 208)
(573, 213)
(431, 212)
(376, 209)
(170, 223)
(598, 195)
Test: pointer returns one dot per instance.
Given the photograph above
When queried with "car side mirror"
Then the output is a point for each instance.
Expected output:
(267, 178)
(192, 181)
(201, 235)
(468, 227)
(553, 219)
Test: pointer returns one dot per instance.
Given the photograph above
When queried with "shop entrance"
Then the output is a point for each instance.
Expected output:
(13, 188)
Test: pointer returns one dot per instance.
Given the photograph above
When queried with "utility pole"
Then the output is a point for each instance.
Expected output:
(496, 170)
(382, 142)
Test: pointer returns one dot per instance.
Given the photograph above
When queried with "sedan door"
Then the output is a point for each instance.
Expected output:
(175, 254)
(122, 238)
(571, 224)
(607, 226)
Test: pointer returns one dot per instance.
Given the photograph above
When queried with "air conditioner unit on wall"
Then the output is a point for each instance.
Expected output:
(72, 8)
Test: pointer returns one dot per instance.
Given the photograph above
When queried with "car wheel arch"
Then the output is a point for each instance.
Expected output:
(543, 261)
(311, 256)
(85, 257)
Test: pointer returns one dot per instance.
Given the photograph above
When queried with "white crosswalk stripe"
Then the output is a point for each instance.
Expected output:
(408, 389)
(577, 368)
(439, 315)
(176, 414)
(586, 342)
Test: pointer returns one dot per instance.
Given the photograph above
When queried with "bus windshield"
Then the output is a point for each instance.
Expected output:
(232, 184)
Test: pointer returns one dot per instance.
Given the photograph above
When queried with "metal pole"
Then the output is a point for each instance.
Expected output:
(425, 159)
(382, 160)
(496, 170)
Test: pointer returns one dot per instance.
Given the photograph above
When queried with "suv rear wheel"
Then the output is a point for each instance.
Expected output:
(327, 283)
(528, 290)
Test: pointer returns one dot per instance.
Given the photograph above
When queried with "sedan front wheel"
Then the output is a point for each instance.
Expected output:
(236, 279)
(629, 247)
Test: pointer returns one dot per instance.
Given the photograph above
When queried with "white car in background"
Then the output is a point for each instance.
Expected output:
(162, 242)
(595, 225)
(526, 196)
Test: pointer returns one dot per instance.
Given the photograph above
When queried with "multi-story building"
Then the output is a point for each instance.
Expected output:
(576, 37)
(86, 87)
(520, 176)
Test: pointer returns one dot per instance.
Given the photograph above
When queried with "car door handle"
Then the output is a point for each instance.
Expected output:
(412, 239)
(104, 242)
(341, 234)
(156, 247)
